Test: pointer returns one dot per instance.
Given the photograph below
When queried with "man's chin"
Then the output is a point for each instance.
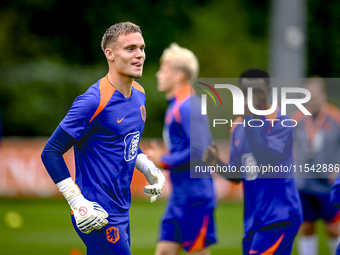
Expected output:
(136, 75)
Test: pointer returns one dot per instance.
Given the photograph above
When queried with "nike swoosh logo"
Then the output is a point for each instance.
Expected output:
(120, 120)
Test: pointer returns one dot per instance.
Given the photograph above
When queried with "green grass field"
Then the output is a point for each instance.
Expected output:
(47, 228)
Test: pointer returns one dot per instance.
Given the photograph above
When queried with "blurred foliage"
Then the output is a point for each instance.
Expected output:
(38, 94)
(324, 38)
(50, 49)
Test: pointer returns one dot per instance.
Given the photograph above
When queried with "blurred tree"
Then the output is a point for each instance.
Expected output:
(324, 38)
(50, 49)
(71, 31)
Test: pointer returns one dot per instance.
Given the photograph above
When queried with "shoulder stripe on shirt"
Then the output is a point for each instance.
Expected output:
(238, 119)
(181, 96)
(333, 111)
(106, 92)
(137, 86)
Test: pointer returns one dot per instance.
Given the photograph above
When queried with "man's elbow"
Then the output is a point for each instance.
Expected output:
(335, 198)
(44, 155)
(48, 153)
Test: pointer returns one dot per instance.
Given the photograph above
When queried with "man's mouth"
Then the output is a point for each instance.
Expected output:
(138, 64)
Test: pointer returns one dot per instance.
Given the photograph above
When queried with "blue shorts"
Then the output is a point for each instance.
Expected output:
(112, 239)
(317, 206)
(338, 250)
(191, 226)
(274, 239)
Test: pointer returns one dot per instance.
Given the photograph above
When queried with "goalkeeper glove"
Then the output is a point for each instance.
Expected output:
(88, 215)
(152, 174)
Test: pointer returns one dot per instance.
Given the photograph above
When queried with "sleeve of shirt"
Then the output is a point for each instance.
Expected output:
(233, 159)
(233, 162)
(180, 158)
(269, 148)
(231, 175)
(52, 155)
(78, 121)
(335, 193)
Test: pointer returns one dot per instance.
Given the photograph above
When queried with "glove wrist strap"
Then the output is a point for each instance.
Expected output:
(143, 162)
(69, 189)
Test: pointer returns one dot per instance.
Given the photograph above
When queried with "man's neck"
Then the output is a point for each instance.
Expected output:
(121, 83)
(171, 94)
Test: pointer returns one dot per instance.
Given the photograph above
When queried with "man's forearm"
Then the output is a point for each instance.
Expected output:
(52, 155)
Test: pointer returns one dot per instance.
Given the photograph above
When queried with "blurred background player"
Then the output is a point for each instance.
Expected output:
(272, 207)
(104, 125)
(188, 221)
(317, 142)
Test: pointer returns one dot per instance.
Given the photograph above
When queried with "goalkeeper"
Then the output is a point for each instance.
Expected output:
(104, 126)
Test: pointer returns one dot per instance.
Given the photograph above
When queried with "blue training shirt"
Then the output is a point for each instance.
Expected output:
(107, 127)
(266, 200)
(184, 120)
(317, 140)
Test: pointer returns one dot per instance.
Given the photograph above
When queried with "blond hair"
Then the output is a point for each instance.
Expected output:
(181, 59)
(112, 33)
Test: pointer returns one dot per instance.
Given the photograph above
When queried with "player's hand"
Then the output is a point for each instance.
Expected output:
(210, 155)
(155, 152)
(152, 174)
(156, 179)
(88, 215)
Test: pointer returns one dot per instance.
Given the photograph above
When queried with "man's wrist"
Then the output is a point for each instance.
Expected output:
(144, 162)
(68, 188)
(141, 162)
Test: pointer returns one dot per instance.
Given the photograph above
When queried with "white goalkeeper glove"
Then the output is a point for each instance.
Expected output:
(153, 175)
(88, 215)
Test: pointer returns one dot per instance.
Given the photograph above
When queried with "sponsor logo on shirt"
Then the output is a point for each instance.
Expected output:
(131, 141)
(120, 120)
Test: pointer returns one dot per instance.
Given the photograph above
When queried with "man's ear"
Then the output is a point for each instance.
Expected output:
(109, 54)
(181, 76)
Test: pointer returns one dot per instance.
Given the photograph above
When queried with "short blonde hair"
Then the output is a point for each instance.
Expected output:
(112, 33)
(181, 59)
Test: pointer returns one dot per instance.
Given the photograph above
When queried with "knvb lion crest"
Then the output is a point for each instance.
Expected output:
(112, 234)
(143, 112)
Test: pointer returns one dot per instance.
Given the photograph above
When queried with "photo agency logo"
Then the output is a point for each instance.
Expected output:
(239, 100)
